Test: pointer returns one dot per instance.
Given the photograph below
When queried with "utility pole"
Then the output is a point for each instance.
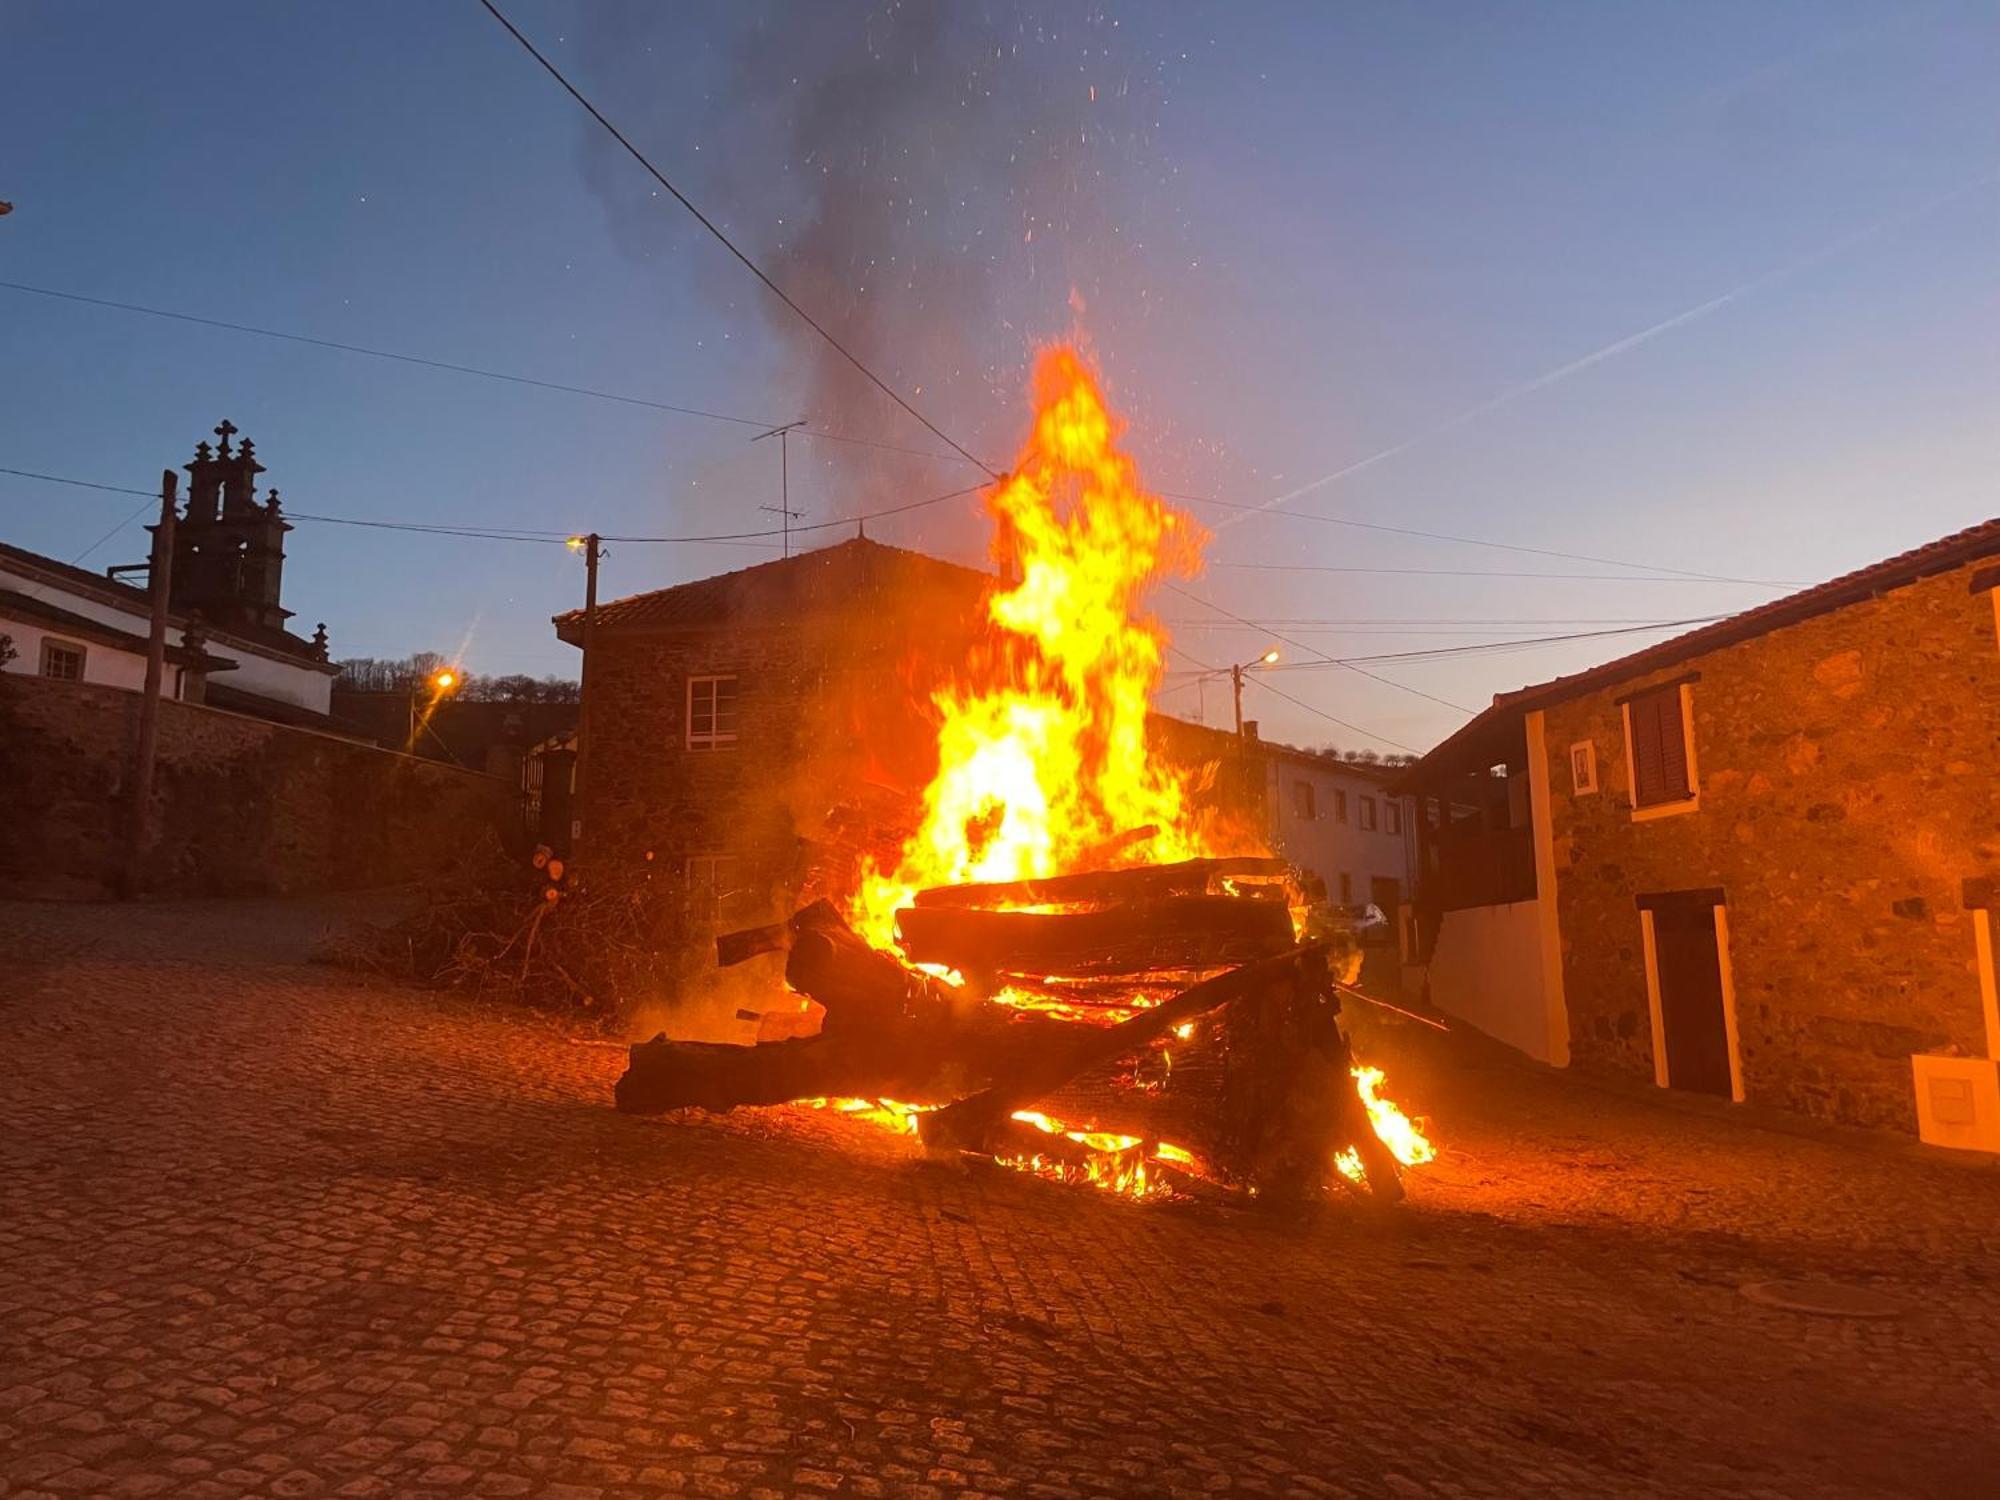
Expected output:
(592, 548)
(159, 583)
(784, 506)
(1236, 672)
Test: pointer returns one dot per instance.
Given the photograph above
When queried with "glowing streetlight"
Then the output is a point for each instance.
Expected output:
(1236, 681)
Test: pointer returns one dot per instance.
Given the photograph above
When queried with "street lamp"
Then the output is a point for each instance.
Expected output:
(1236, 681)
(440, 682)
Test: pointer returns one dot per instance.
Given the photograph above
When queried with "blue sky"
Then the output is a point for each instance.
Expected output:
(1299, 235)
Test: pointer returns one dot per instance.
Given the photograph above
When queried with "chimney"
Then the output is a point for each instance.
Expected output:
(1250, 730)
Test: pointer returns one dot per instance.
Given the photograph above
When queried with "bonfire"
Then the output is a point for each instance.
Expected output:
(1074, 964)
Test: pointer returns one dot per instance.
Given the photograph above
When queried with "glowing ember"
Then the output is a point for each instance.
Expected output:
(1046, 760)
(1402, 1135)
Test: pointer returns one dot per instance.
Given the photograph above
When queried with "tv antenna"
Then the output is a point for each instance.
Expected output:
(783, 508)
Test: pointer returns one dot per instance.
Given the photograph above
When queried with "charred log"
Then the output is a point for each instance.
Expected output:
(1174, 933)
(969, 1122)
(1141, 883)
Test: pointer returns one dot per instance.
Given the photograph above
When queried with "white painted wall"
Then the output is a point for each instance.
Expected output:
(19, 579)
(1329, 847)
(267, 675)
(1487, 970)
(101, 664)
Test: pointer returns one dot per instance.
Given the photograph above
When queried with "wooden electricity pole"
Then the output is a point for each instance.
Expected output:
(159, 585)
(592, 548)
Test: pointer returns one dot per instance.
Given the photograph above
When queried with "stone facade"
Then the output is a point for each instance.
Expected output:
(1849, 784)
(836, 657)
(832, 689)
(243, 806)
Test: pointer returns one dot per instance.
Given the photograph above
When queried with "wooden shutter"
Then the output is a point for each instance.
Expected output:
(1659, 748)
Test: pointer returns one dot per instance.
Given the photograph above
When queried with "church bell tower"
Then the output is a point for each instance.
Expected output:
(229, 549)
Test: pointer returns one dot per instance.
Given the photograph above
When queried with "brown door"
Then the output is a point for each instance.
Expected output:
(1690, 972)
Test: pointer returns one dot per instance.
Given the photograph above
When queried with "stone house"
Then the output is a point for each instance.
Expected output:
(751, 736)
(736, 727)
(1756, 861)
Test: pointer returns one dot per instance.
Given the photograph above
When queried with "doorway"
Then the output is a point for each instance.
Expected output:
(1688, 985)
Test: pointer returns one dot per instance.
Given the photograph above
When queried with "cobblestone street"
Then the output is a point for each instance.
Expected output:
(266, 1228)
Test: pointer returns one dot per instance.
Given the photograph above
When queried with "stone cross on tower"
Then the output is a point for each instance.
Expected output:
(225, 430)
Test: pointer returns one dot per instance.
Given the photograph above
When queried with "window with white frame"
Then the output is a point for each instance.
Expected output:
(1305, 803)
(62, 660)
(1392, 815)
(711, 712)
(1339, 806)
(1367, 815)
(1583, 768)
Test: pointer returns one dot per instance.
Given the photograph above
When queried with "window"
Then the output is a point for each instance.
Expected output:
(1339, 806)
(711, 712)
(1583, 767)
(1392, 813)
(1304, 803)
(62, 660)
(1657, 748)
(1346, 889)
(1367, 814)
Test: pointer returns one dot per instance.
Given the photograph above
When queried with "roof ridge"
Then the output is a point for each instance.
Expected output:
(1961, 548)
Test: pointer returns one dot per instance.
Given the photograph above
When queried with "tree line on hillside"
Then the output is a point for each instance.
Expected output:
(414, 673)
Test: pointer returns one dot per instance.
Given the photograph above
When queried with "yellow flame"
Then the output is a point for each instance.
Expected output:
(1403, 1136)
(1045, 758)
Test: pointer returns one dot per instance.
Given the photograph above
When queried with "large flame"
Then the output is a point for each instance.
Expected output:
(1045, 760)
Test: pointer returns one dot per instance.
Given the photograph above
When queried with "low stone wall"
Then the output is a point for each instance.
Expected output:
(242, 806)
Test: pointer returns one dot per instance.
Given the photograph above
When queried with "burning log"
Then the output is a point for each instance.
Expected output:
(1190, 877)
(888, 1031)
(1179, 932)
(969, 1122)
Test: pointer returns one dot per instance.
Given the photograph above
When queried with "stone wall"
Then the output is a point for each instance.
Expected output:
(1849, 771)
(243, 806)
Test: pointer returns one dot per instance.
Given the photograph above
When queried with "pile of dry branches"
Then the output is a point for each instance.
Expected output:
(526, 933)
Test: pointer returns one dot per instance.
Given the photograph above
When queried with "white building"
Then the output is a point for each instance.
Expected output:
(226, 638)
(1339, 820)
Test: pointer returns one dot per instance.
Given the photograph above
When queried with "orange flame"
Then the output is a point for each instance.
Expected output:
(1043, 761)
(1403, 1136)
(1048, 759)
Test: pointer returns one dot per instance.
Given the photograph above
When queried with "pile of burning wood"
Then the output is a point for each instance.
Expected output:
(1168, 1007)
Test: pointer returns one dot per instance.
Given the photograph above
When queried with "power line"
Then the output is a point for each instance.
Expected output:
(507, 534)
(1484, 573)
(1302, 646)
(730, 245)
(1331, 719)
(1481, 648)
(1473, 541)
(594, 393)
(1322, 713)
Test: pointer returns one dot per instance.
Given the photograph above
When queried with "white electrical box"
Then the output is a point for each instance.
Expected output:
(1958, 1101)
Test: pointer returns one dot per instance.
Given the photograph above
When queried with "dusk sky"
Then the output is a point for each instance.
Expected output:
(1375, 246)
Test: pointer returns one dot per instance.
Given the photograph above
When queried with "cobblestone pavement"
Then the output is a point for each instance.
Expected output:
(266, 1229)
